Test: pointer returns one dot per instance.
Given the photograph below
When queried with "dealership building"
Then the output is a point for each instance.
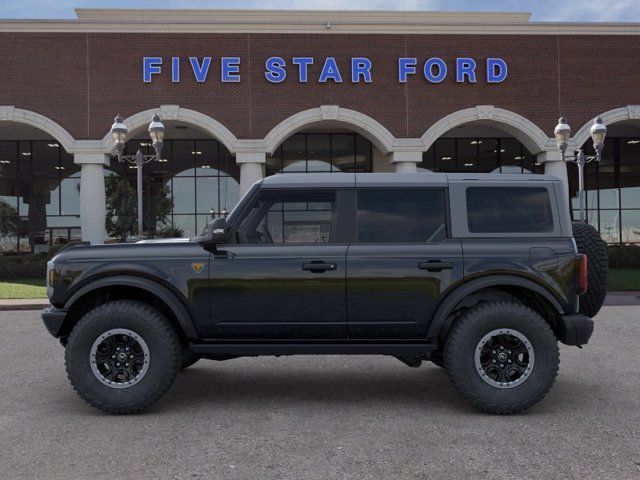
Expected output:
(247, 94)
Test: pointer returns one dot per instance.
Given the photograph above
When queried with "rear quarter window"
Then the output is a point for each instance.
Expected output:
(509, 210)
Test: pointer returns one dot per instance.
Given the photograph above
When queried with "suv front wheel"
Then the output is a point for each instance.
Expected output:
(122, 356)
(502, 357)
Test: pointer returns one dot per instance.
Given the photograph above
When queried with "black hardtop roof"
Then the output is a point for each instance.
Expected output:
(430, 179)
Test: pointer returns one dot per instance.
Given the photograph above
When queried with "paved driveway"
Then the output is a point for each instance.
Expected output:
(333, 417)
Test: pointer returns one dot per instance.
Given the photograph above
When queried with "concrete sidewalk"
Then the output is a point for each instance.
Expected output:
(613, 299)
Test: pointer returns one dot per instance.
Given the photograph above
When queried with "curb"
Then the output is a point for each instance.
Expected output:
(12, 305)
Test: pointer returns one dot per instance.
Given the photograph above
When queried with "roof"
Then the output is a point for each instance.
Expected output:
(346, 180)
(312, 21)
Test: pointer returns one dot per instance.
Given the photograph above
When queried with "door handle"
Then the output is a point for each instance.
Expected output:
(435, 266)
(318, 267)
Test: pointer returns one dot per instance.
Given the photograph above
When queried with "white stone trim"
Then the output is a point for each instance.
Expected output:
(177, 113)
(516, 125)
(319, 21)
(377, 133)
(10, 113)
(628, 112)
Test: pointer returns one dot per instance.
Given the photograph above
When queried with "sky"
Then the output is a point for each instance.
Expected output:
(542, 10)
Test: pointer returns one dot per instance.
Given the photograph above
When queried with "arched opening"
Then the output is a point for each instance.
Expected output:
(197, 178)
(324, 148)
(480, 147)
(39, 190)
(328, 139)
(612, 185)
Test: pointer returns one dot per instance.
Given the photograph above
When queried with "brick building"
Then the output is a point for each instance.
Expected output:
(245, 94)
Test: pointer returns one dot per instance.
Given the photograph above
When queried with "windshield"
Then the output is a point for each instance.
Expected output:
(231, 217)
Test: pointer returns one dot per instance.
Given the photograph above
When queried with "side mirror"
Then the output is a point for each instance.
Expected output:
(218, 232)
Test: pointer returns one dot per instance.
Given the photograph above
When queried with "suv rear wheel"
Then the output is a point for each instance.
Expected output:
(123, 356)
(502, 357)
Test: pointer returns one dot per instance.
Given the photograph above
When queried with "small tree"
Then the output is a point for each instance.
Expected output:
(9, 223)
(122, 208)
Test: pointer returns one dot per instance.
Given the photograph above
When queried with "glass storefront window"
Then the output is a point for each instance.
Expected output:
(39, 196)
(194, 180)
(483, 155)
(321, 152)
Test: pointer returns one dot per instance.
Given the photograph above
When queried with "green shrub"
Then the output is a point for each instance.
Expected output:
(624, 256)
(34, 265)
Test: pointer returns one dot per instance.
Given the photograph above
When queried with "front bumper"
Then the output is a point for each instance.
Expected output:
(53, 319)
(575, 329)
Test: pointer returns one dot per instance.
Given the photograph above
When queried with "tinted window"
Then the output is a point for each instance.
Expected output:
(509, 210)
(289, 217)
(401, 215)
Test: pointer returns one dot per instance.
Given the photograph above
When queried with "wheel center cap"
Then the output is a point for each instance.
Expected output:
(122, 357)
(502, 357)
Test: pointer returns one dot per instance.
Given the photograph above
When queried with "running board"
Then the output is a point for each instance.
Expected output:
(251, 349)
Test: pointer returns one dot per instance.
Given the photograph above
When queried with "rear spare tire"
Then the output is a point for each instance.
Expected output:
(590, 243)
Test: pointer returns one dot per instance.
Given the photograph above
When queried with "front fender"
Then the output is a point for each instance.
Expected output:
(174, 303)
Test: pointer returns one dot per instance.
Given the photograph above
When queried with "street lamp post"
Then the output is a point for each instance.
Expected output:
(562, 133)
(156, 132)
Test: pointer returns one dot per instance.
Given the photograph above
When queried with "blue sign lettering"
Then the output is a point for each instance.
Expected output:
(435, 69)
(406, 66)
(276, 72)
(330, 71)
(200, 71)
(230, 69)
(303, 67)
(496, 70)
(175, 69)
(428, 70)
(360, 67)
(151, 66)
(465, 67)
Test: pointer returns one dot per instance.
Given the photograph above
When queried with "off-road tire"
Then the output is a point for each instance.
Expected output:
(466, 334)
(188, 359)
(589, 242)
(152, 326)
(437, 359)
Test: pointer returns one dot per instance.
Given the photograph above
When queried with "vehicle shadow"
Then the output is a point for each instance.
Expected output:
(427, 387)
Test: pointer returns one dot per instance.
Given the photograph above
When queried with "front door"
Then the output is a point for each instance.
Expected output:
(285, 278)
(401, 263)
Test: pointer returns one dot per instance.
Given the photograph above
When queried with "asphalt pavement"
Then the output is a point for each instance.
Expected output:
(331, 417)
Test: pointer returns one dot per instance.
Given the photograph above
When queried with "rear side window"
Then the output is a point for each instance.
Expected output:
(509, 210)
(401, 215)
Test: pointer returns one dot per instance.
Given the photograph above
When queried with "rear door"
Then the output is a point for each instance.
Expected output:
(401, 262)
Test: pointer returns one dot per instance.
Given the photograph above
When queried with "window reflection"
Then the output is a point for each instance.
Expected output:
(194, 180)
(321, 152)
(39, 196)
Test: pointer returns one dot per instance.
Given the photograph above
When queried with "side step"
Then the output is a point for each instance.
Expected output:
(251, 349)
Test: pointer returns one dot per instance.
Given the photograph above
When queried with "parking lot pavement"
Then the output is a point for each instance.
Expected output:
(334, 417)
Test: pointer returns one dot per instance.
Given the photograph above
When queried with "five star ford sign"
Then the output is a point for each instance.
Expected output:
(276, 69)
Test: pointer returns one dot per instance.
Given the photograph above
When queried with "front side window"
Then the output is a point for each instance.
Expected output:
(281, 217)
(401, 215)
(509, 210)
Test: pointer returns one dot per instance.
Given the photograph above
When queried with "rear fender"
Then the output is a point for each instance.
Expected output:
(441, 321)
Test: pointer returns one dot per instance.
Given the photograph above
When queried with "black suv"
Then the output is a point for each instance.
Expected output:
(477, 273)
